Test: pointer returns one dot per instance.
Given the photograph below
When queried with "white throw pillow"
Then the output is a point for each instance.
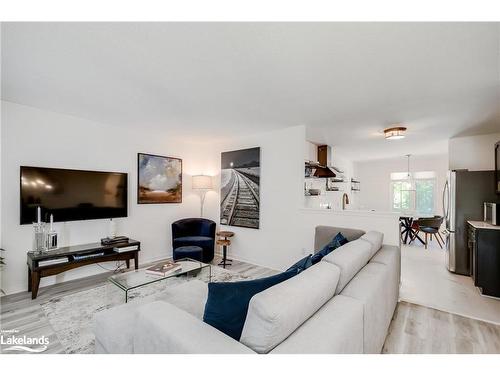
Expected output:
(275, 313)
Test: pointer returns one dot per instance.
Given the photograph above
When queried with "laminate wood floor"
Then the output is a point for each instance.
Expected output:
(417, 329)
(414, 328)
(425, 281)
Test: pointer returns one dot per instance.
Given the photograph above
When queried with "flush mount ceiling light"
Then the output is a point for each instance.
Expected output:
(397, 132)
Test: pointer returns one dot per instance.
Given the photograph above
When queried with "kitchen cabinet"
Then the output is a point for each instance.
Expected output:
(484, 244)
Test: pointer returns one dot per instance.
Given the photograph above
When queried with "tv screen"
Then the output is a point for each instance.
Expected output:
(71, 195)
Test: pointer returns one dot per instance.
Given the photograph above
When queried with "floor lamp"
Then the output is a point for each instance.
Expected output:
(203, 184)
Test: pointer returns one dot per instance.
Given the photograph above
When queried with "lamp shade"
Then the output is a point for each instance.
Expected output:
(202, 182)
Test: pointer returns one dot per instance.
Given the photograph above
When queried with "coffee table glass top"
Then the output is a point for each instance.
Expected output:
(135, 279)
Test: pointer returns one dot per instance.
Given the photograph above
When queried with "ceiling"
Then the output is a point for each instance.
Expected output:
(344, 81)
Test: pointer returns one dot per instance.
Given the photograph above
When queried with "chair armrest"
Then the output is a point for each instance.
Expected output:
(164, 328)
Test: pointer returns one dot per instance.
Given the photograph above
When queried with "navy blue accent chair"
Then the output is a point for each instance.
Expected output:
(194, 232)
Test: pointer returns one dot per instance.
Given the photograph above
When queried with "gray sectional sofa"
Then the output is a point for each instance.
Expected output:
(343, 304)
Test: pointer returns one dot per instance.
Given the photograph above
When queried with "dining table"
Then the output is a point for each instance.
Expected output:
(406, 220)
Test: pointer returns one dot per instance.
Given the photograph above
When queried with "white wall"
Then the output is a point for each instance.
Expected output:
(279, 241)
(40, 138)
(387, 223)
(287, 228)
(475, 153)
(375, 177)
(35, 137)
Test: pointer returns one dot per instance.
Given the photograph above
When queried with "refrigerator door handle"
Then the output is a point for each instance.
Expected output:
(451, 202)
(446, 201)
(450, 252)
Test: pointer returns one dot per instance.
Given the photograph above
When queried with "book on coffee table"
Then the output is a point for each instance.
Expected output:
(162, 269)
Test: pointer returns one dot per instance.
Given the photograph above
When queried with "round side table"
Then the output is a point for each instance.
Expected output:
(224, 241)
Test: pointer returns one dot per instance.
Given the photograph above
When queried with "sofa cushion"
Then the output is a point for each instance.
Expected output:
(391, 257)
(190, 297)
(388, 255)
(162, 328)
(113, 329)
(301, 265)
(227, 302)
(375, 239)
(340, 322)
(278, 311)
(335, 243)
(373, 286)
(350, 258)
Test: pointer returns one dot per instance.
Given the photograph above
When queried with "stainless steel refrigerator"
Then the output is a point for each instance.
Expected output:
(463, 197)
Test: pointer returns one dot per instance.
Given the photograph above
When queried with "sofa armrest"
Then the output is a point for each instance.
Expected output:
(163, 328)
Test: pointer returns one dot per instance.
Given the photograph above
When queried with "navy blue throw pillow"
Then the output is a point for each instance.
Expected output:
(336, 242)
(227, 303)
(301, 265)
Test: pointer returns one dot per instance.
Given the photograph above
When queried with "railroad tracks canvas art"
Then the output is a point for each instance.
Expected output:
(240, 188)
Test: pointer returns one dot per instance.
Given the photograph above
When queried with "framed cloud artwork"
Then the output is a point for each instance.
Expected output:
(159, 179)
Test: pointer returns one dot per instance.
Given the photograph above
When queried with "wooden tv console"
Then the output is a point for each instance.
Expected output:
(36, 272)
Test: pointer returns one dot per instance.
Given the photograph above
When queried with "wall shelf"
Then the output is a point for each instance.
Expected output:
(355, 185)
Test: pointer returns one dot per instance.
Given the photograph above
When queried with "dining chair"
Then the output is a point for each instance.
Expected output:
(430, 227)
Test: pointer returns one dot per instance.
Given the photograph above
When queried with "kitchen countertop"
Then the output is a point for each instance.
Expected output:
(483, 225)
(350, 212)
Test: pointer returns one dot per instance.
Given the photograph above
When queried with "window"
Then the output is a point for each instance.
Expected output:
(425, 196)
(417, 194)
(401, 196)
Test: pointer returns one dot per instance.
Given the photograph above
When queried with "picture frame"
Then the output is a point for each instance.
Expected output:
(159, 179)
(240, 188)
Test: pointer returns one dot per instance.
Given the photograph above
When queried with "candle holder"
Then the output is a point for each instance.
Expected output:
(51, 240)
(39, 237)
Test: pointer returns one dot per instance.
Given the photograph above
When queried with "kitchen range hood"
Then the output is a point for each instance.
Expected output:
(322, 169)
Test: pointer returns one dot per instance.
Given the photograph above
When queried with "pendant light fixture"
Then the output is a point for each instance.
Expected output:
(409, 177)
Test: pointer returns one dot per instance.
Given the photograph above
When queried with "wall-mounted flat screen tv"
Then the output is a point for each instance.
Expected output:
(70, 194)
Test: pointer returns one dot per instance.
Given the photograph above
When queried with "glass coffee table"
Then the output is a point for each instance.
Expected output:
(133, 280)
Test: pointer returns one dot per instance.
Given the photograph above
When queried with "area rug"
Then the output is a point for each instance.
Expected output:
(72, 316)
